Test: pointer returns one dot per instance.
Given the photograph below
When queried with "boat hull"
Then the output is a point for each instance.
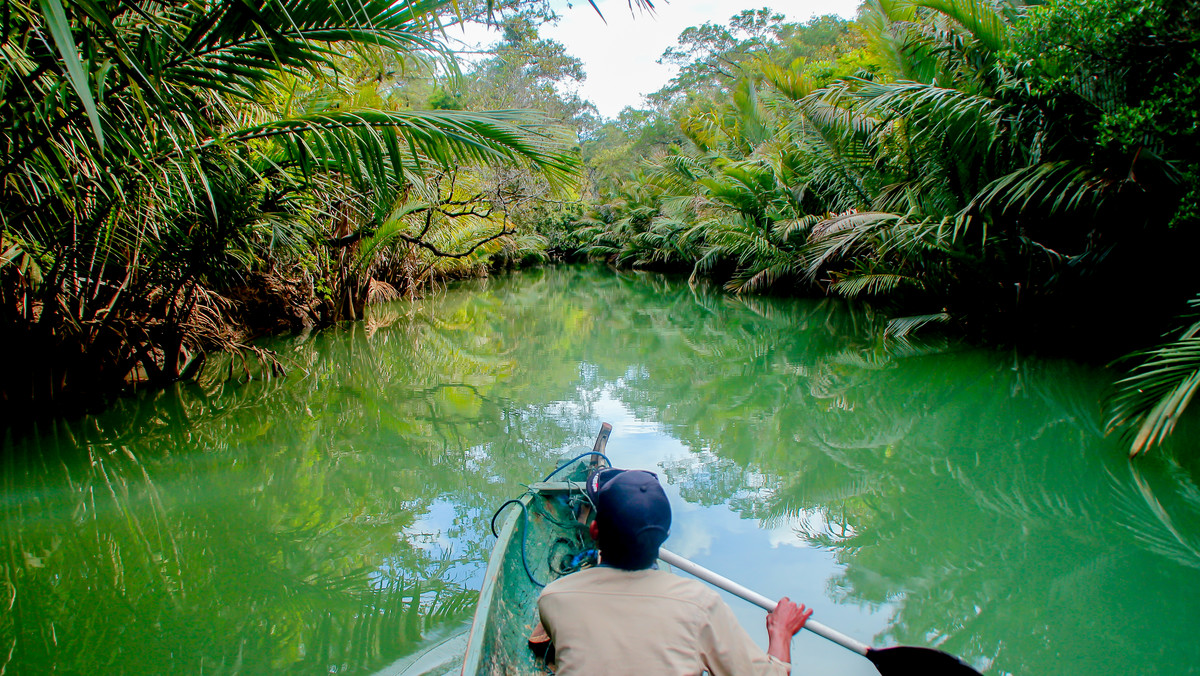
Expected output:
(543, 534)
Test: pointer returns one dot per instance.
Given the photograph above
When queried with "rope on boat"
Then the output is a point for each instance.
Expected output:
(578, 560)
(572, 461)
(524, 531)
(574, 560)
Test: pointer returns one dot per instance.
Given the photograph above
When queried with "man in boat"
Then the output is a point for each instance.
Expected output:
(626, 617)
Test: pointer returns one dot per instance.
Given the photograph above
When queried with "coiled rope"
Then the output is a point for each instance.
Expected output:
(579, 559)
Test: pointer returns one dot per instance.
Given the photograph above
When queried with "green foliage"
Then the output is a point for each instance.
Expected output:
(1116, 83)
(441, 99)
(527, 71)
(409, 428)
(1003, 168)
(159, 154)
(714, 58)
(1148, 403)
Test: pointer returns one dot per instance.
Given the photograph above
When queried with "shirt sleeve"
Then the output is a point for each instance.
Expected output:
(546, 614)
(727, 650)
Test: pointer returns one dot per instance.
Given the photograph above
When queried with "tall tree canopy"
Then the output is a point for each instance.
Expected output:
(156, 152)
(1003, 168)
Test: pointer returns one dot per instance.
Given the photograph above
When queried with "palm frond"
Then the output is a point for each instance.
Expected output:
(979, 17)
(372, 144)
(901, 327)
(870, 285)
(834, 107)
(1152, 523)
(1150, 401)
(964, 119)
(1061, 186)
(839, 236)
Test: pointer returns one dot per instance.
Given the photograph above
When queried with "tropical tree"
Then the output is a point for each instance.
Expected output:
(713, 58)
(155, 153)
(1148, 402)
(1042, 171)
(734, 197)
(998, 166)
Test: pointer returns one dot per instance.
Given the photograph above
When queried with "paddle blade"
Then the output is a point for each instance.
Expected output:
(908, 661)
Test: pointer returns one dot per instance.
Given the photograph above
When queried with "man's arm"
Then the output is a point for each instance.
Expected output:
(727, 650)
(782, 624)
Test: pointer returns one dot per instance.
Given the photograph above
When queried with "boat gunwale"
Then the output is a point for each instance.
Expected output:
(487, 593)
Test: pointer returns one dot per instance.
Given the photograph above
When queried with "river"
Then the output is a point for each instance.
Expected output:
(336, 520)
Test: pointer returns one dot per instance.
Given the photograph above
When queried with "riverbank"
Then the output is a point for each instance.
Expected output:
(73, 371)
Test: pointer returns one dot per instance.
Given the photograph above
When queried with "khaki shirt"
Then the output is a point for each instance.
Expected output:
(610, 621)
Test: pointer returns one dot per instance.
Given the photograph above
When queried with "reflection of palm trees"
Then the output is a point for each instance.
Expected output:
(182, 585)
(1029, 464)
(1164, 519)
(706, 479)
(253, 525)
(940, 484)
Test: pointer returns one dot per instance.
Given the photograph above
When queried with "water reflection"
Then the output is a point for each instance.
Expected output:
(329, 520)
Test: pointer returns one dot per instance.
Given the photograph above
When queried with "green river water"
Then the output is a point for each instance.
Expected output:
(336, 520)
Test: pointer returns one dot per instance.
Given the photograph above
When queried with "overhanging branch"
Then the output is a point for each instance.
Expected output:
(504, 232)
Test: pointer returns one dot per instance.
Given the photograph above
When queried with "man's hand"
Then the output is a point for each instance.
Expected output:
(782, 624)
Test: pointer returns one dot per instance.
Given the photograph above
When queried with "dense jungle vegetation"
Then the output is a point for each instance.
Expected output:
(179, 178)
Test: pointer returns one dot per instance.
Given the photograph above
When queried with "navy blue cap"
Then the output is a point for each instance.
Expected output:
(633, 513)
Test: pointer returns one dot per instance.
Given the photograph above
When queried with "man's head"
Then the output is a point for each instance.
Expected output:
(633, 516)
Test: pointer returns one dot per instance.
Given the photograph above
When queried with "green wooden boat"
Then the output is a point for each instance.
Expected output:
(543, 539)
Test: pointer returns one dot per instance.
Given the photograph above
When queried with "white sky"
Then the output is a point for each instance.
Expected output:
(620, 56)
